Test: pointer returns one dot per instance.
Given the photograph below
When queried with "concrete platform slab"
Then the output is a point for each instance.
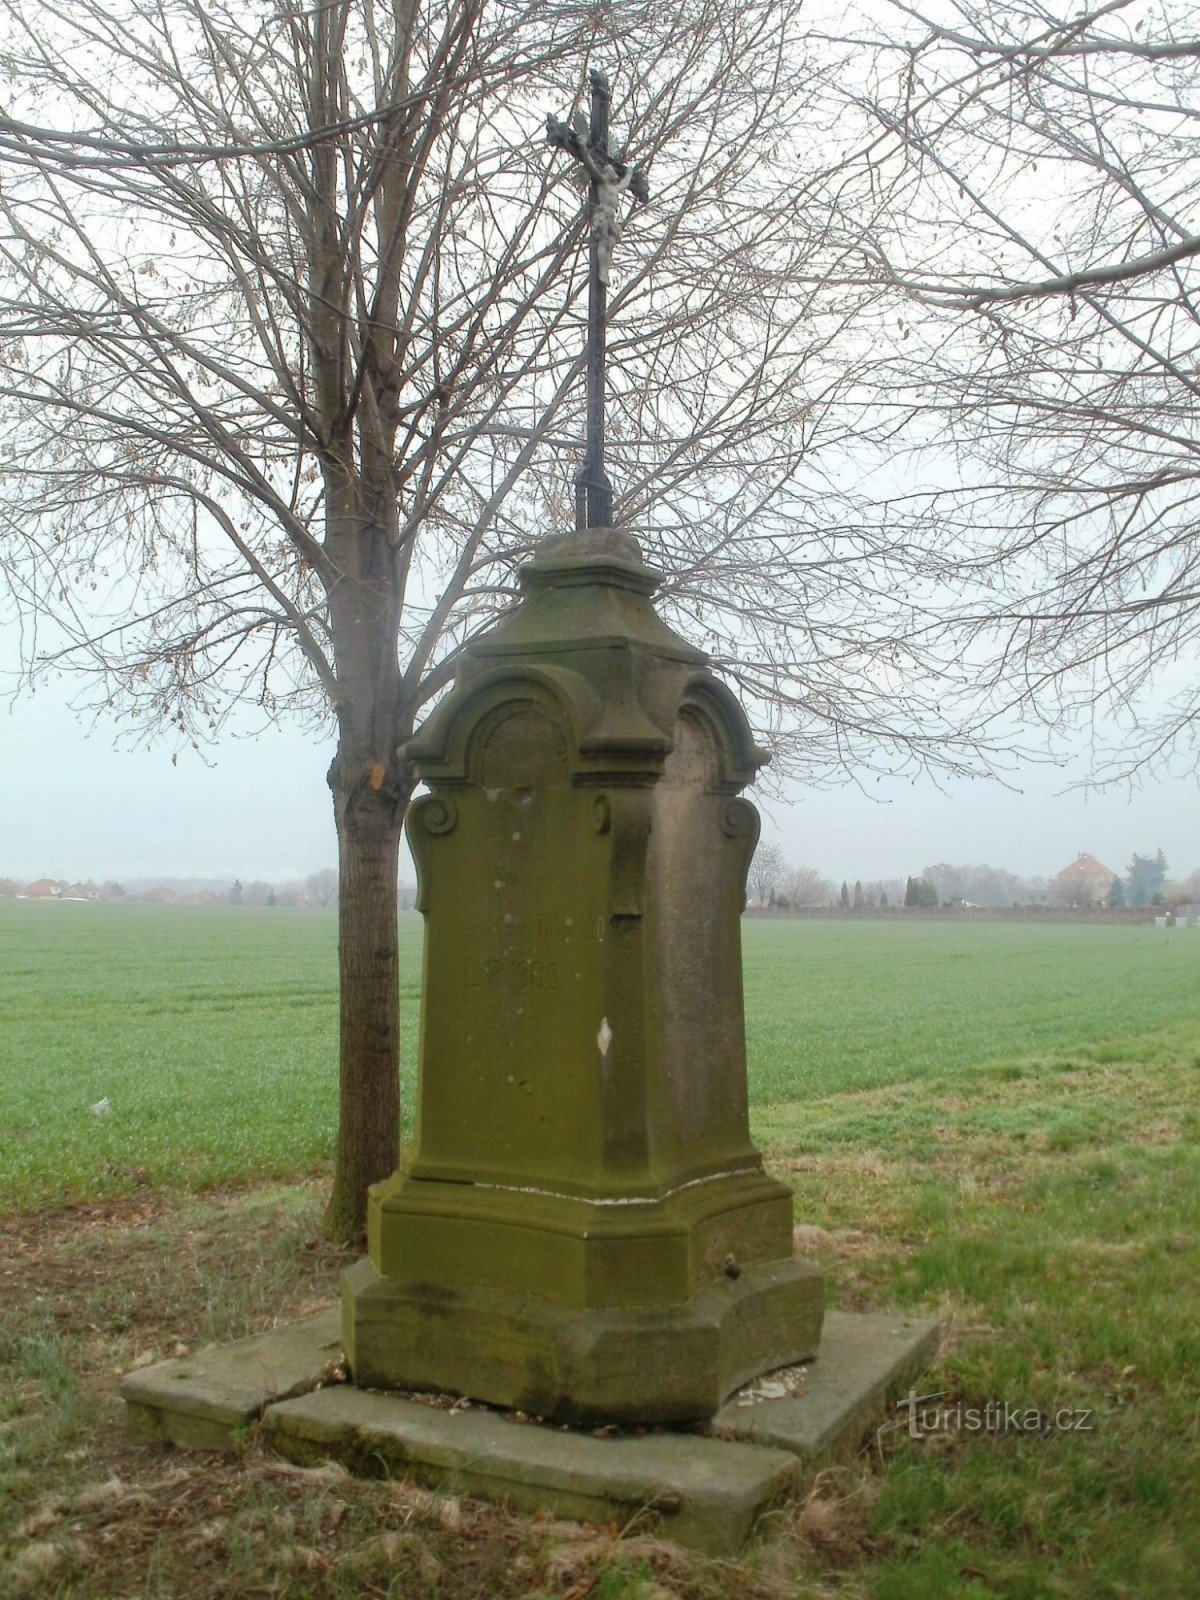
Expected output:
(705, 1493)
(864, 1359)
(703, 1488)
(202, 1400)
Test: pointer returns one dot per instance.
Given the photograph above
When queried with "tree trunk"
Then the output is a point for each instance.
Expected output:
(369, 819)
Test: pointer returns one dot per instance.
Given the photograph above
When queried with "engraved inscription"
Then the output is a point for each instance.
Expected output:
(537, 929)
(516, 974)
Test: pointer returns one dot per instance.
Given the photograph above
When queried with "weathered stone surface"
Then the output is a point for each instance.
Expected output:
(705, 1493)
(863, 1360)
(583, 1129)
(202, 1400)
(639, 1363)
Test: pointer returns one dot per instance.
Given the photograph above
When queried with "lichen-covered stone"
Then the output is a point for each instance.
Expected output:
(582, 1123)
(626, 1364)
(203, 1401)
(699, 1492)
(704, 1492)
(864, 1360)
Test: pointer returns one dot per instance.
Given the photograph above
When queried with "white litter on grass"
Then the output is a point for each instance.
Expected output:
(102, 1108)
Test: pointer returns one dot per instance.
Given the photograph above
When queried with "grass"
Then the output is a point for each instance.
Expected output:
(212, 1033)
(1063, 1271)
(1035, 1187)
(1049, 1208)
(855, 1004)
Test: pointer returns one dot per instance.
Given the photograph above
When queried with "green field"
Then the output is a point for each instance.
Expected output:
(212, 1032)
(997, 1125)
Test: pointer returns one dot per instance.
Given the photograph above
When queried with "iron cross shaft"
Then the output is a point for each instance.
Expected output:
(586, 139)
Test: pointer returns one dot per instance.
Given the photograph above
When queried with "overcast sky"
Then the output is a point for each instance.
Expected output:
(73, 806)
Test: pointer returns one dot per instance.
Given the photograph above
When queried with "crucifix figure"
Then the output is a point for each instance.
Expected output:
(587, 140)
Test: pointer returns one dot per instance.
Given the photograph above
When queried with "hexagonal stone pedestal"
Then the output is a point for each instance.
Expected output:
(614, 1364)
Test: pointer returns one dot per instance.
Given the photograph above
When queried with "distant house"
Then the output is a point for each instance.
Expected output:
(8, 888)
(1085, 883)
(44, 889)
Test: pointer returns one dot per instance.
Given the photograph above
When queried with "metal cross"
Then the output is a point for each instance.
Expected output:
(587, 140)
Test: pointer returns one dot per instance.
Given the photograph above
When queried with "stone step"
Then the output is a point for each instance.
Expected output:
(702, 1488)
(702, 1492)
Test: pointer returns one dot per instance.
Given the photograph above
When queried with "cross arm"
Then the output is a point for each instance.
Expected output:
(562, 136)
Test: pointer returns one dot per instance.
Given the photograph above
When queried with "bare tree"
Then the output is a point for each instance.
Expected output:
(1175, 896)
(993, 886)
(322, 885)
(804, 886)
(1024, 175)
(768, 871)
(290, 316)
(976, 886)
(1067, 890)
(949, 882)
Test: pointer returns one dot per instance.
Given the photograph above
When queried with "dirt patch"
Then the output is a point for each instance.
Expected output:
(59, 1258)
(862, 1163)
(93, 1291)
(204, 1525)
(60, 1222)
(847, 1244)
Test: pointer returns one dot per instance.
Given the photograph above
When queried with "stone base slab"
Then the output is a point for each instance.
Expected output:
(627, 1364)
(864, 1359)
(202, 1401)
(705, 1493)
(704, 1490)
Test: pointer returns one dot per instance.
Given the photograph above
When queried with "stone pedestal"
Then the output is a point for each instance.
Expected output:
(583, 1229)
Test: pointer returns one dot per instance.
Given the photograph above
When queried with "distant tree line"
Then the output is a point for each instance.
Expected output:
(773, 881)
(319, 890)
(775, 884)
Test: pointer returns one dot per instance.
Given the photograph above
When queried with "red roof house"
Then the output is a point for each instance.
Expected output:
(1086, 882)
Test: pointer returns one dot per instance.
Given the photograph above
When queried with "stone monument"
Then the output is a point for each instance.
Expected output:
(583, 1229)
